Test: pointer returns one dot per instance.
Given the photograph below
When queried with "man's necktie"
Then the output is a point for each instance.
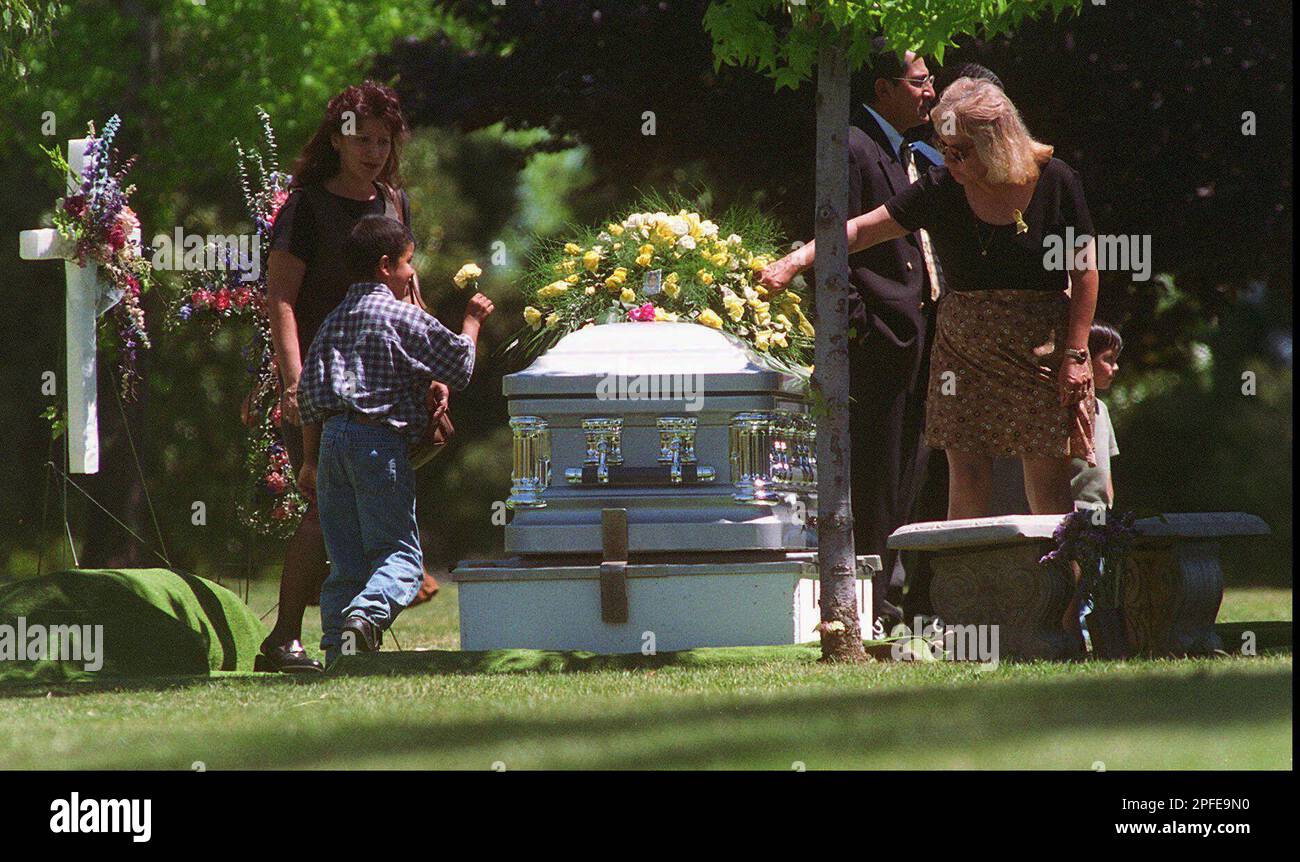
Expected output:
(927, 250)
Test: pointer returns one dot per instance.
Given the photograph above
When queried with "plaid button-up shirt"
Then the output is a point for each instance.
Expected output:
(376, 355)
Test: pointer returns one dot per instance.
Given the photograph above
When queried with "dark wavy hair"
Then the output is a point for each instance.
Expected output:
(1103, 337)
(971, 70)
(319, 161)
(883, 63)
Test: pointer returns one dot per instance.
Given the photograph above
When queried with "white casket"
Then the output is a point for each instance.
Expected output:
(663, 497)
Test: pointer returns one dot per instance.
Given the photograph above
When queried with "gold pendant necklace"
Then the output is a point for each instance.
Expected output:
(1018, 218)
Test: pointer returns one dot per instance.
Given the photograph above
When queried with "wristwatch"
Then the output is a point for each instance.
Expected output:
(1079, 355)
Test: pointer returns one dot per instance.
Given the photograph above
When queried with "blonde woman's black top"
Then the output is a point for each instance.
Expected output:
(976, 255)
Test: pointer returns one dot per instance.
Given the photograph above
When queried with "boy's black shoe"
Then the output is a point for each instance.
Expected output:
(364, 635)
(286, 658)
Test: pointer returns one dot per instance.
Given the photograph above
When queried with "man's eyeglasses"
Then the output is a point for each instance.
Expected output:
(919, 83)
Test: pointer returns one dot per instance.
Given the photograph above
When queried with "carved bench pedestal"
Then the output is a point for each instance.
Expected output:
(1007, 587)
(1171, 597)
(1173, 580)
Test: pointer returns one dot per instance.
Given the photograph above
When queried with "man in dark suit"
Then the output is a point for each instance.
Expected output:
(896, 284)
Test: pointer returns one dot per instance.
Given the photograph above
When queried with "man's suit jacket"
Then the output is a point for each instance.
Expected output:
(889, 279)
(887, 364)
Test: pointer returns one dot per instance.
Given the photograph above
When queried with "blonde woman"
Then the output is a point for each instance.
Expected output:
(1010, 373)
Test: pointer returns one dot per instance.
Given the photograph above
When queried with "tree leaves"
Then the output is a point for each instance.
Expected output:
(780, 38)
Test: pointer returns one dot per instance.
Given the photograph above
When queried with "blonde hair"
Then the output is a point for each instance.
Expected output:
(981, 111)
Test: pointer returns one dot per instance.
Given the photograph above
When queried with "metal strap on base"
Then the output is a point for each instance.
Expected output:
(613, 567)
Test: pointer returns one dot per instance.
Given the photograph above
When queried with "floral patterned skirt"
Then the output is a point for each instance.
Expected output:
(993, 377)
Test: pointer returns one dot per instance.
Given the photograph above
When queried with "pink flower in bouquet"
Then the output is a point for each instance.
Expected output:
(241, 297)
(116, 237)
(644, 313)
(275, 416)
(201, 298)
(129, 221)
(74, 205)
(277, 201)
(222, 300)
(276, 483)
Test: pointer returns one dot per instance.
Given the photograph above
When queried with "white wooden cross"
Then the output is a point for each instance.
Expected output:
(80, 315)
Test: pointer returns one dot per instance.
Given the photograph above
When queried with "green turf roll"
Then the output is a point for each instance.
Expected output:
(154, 623)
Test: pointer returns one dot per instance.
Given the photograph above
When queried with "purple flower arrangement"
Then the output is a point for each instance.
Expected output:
(1098, 540)
(211, 299)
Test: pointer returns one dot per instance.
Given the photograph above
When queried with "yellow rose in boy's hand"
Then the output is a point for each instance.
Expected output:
(470, 272)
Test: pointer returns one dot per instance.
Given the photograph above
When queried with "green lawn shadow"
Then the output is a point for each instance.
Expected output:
(754, 730)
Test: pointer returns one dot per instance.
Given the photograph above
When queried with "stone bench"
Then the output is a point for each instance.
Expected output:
(986, 572)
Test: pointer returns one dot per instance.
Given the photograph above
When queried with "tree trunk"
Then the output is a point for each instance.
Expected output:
(841, 634)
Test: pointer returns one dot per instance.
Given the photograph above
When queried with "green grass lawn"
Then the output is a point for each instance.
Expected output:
(1243, 604)
(783, 708)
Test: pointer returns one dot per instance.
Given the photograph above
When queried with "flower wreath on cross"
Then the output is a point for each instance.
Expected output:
(98, 220)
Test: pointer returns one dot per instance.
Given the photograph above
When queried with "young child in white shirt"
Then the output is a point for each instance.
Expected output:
(1094, 486)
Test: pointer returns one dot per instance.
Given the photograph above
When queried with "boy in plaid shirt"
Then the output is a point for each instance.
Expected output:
(362, 400)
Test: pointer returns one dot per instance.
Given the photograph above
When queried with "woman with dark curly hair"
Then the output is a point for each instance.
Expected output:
(348, 170)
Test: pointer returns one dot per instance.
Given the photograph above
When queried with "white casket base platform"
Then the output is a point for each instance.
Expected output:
(705, 457)
(671, 606)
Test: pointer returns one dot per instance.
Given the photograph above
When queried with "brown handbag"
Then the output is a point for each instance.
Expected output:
(435, 438)
(439, 432)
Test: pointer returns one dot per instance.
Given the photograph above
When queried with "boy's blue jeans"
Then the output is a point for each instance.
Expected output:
(365, 493)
